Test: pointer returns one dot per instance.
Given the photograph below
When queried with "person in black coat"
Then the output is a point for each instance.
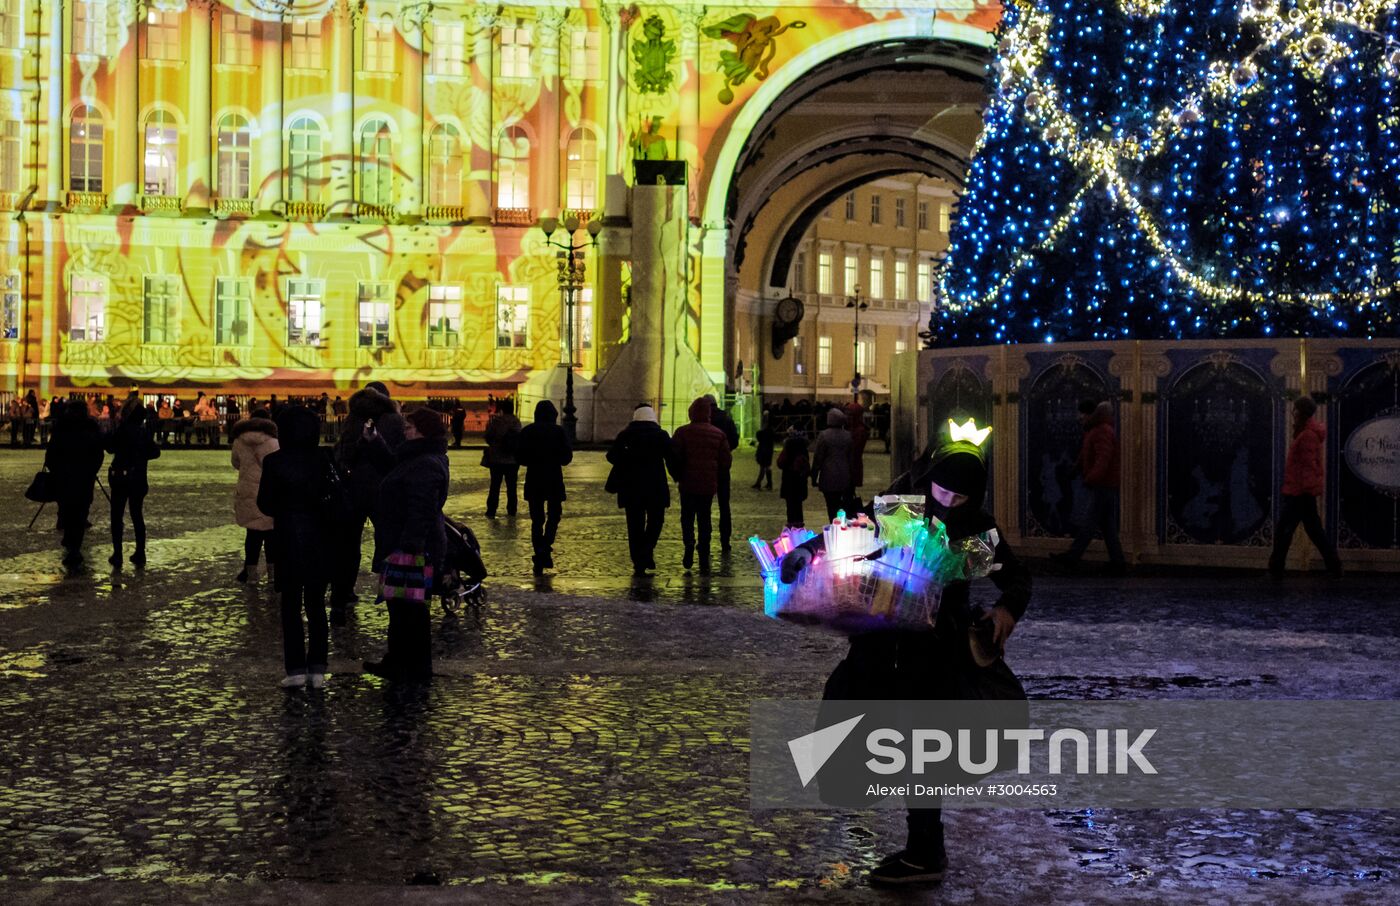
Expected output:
(294, 487)
(721, 420)
(764, 454)
(74, 457)
(960, 658)
(640, 457)
(409, 521)
(365, 454)
(132, 445)
(543, 448)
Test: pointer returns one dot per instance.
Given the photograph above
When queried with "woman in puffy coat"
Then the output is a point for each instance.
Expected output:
(640, 456)
(409, 522)
(253, 439)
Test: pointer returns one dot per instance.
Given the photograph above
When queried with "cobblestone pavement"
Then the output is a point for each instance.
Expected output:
(586, 739)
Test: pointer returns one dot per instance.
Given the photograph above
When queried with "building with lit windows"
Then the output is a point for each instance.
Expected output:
(298, 196)
(875, 247)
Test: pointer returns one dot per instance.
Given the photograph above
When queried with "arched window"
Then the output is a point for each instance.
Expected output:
(513, 169)
(304, 159)
(235, 157)
(161, 159)
(85, 150)
(581, 173)
(445, 165)
(376, 163)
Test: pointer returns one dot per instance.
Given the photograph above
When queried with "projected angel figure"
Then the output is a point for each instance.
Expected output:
(755, 44)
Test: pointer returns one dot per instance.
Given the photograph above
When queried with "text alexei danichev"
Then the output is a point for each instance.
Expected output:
(919, 789)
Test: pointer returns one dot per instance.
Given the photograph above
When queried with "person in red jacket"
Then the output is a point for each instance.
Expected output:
(702, 458)
(1303, 482)
(1098, 466)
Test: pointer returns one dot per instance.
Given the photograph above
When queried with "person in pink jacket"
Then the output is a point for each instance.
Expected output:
(1304, 480)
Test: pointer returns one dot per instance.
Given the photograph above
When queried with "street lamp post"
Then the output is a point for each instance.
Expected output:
(859, 305)
(571, 279)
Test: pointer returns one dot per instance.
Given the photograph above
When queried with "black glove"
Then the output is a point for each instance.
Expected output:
(795, 561)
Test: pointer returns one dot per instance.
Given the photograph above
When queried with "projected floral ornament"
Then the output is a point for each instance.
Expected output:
(1188, 168)
(755, 44)
(654, 56)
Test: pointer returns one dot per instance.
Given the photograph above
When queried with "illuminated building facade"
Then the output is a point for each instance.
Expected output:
(301, 196)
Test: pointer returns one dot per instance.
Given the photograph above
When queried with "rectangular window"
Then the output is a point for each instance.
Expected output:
(799, 273)
(900, 347)
(799, 356)
(901, 279)
(305, 312)
(10, 307)
(160, 309)
(379, 44)
(925, 280)
(824, 272)
(11, 156)
(850, 206)
(865, 357)
(850, 285)
(11, 23)
(512, 317)
(923, 215)
(448, 55)
(90, 27)
(87, 309)
(515, 52)
(877, 277)
(444, 316)
(236, 38)
(899, 212)
(162, 35)
(374, 315)
(945, 216)
(306, 43)
(875, 210)
(586, 54)
(824, 355)
(233, 303)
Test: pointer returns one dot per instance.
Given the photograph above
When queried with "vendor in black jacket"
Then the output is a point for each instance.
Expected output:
(938, 665)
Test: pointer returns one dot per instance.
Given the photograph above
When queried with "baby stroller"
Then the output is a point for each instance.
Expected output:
(463, 570)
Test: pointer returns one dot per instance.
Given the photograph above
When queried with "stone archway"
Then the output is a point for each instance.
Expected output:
(904, 105)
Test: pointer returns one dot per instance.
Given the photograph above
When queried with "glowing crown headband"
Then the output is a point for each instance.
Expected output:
(967, 431)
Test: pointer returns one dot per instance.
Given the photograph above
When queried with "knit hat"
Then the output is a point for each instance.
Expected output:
(835, 418)
(644, 413)
(960, 470)
(428, 422)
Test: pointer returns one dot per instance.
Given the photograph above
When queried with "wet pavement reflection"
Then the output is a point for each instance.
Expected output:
(585, 739)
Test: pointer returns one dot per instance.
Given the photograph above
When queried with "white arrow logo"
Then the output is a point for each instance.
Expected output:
(810, 752)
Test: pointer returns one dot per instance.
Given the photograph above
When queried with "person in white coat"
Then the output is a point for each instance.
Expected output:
(253, 439)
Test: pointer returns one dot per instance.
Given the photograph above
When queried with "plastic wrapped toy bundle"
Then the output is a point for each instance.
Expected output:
(864, 582)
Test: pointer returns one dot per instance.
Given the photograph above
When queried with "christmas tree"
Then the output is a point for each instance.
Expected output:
(1154, 169)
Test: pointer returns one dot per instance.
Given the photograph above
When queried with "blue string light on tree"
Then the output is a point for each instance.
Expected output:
(1182, 168)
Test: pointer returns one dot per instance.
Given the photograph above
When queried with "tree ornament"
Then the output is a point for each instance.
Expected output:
(1243, 76)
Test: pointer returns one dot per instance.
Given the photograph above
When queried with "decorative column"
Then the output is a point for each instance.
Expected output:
(618, 157)
(125, 197)
(547, 176)
(198, 170)
(481, 197)
(342, 202)
(688, 143)
(412, 191)
(1153, 369)
(54, 185)
(269, 191)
